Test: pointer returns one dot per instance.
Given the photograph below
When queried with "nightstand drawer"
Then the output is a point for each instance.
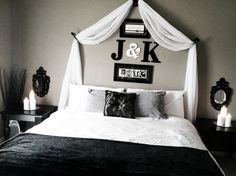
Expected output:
(25, 118)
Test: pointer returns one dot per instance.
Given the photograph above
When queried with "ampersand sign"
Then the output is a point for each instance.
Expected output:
(133, 51)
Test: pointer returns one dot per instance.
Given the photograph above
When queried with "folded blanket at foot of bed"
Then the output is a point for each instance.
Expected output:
(35, 155)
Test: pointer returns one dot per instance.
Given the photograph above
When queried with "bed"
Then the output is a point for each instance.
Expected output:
(73, 141)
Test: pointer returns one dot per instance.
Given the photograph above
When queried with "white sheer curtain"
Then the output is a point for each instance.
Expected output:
(93, 35)
(169, 37)
(161, 31)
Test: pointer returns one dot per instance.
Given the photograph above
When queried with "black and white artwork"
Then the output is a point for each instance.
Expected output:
(134, 28)
(133, 73)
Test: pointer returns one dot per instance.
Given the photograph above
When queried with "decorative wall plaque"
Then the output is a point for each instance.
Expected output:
(133, 73)
(134, 28)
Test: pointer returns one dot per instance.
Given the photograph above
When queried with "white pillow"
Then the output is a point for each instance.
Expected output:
(174, 102)
(88, 98)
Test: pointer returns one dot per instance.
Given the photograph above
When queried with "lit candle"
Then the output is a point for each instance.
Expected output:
(32, 104)
(228, 120)
(223, 111)
(220, 120)
(26, 104)
(222, 116)
(32, 100)
(31, 95)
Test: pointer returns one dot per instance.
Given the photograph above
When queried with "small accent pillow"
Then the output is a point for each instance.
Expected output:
(150, 104)
(119, 104)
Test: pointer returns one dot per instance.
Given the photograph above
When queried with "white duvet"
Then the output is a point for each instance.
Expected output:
(173, 131)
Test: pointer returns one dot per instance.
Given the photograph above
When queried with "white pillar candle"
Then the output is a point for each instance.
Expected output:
(32, 104)
(228, 120)
(220, 120)
(32, 100)
(26, 104)
(31, 95)
(223, 111)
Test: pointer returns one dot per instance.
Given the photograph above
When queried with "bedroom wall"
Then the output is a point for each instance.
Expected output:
(41, 32)
(5, 42)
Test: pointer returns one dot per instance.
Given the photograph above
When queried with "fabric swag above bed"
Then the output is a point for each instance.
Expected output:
(161, 31)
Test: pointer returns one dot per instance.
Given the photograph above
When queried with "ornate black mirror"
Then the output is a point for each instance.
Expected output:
(221, 94)
(41, 82)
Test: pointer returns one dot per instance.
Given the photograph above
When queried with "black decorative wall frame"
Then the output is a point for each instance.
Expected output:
(41, 82)
(134, 28)
(133, 73)
(221, 85)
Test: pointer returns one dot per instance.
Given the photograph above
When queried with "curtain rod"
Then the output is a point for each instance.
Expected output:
(196, 40)
(74, 35)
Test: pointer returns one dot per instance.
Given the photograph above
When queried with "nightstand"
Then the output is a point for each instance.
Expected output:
(26, 119)
(217, 138)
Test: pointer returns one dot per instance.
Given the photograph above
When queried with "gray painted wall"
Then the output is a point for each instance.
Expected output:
(41, 37)
(5, 41)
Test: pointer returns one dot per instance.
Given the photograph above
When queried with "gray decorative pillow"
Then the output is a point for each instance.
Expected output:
(150, 104)
(95, 100)
(119, 104)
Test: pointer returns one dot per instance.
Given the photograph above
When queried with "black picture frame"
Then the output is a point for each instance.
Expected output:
(134, 28)
(133, 73)
(221, 85)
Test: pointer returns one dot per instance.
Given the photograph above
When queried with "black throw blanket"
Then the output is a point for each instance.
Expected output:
(41, 155)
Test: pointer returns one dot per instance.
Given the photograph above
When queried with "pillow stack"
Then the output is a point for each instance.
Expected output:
(116, 102)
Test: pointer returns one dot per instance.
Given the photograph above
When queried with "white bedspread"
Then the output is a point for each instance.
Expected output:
(169, 132)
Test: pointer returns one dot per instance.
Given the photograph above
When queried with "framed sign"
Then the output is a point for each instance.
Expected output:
(134, 28)
(133, 73)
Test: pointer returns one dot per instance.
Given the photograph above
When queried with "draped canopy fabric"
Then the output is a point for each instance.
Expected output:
(161, 31)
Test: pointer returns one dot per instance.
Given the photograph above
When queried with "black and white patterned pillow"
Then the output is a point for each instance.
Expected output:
(119, 104)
